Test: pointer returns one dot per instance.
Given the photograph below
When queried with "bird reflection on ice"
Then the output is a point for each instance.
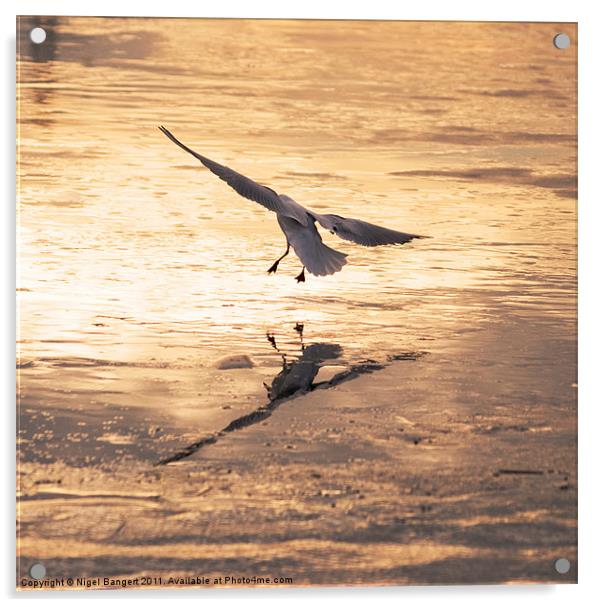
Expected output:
(296, 377)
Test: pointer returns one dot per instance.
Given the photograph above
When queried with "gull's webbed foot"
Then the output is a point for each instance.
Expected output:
(274, 266)
(301, 277)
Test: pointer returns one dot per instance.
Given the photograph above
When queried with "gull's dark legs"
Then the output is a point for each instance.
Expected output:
(274, 266)
(301, 277)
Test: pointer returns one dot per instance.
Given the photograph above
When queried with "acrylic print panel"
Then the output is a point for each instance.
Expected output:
(406, 414)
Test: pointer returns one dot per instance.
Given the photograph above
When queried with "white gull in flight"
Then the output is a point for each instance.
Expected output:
(298, 223)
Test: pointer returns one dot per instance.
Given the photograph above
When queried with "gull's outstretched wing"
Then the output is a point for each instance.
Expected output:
(244, 186)
(362, 232)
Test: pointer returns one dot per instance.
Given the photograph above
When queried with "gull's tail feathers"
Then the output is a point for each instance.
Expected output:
(318, 258)
(324, 260)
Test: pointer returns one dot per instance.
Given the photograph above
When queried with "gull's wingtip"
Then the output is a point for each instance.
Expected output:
(170, 135)
(165, 131)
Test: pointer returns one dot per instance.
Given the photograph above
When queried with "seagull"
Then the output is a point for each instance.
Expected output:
(299, 223)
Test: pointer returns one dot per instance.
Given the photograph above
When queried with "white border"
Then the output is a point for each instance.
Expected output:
(509, 10)
(590, 277)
